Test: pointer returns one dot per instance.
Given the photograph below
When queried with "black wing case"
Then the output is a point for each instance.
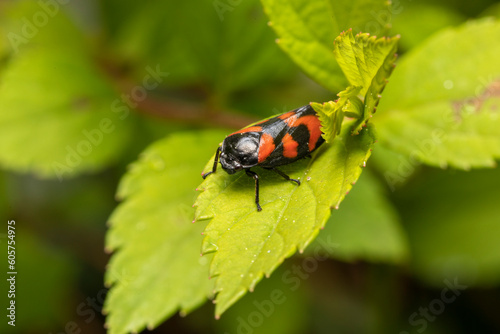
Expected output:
(291, 136)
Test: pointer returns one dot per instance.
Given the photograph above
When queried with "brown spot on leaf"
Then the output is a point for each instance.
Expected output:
(81, 104)
(475, 104)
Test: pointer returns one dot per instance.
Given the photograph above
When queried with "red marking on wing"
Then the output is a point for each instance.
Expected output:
(289, 146)
(287, 115)
(249, 129)
(313, 125)
(266, 146)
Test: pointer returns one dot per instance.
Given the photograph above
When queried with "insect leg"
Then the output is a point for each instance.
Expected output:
(256, 178)
(277, 171)
(216, 160)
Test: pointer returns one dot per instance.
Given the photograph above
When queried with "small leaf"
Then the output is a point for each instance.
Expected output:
(307, 29)
(248, 243)
(331, 114)
(362, 56)
(157, 269)
(367, 62)
(442, 105)
(353, 107)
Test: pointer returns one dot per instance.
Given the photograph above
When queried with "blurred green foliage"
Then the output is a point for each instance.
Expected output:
(158, 250)
(406, 231)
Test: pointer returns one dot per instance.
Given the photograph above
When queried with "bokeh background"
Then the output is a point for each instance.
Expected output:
(224, 71)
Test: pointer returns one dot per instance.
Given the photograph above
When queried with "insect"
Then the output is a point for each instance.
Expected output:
(270, 143)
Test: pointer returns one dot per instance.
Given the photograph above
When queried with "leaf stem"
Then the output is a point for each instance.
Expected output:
(174, 109)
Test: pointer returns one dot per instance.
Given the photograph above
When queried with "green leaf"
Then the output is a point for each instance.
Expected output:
(307, 29)
(366, 227)
(458, 233)
(248, 243)
(367, 62)
(59, 116)
(157, 269)
(24, 31)
(442, 105)
(331, 114)
(429, 17)
(193, 54)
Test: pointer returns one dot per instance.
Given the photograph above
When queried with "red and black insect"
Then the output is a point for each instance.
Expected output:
(270, 143)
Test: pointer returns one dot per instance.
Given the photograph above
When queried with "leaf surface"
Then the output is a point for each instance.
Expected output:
(442, 105)
(156, 269)
(249, 244)
(307, 29)
(331, 114)
(193, 54)
(367, 62)
(59, 116)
